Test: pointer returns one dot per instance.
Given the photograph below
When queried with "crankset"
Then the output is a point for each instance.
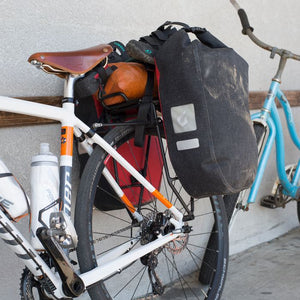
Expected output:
(278, 198)
(274, 201)
(31, 288)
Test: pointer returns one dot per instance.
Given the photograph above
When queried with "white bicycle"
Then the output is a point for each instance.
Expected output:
(138, 252)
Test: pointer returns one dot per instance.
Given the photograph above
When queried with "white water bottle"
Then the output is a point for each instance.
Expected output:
(12, 196)
(44, 190)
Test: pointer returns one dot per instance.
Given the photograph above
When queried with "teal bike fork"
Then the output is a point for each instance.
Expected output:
(269, 115)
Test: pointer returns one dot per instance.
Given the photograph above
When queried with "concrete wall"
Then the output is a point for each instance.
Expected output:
(31, 26)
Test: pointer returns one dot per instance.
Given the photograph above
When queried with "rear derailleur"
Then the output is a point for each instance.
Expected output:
(150, 260)
(156, 224)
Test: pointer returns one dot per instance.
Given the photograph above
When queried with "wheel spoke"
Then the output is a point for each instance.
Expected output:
(139, 283)
(203, 233)
(181, 278)
(120, 219)
(110, 234)
(142, 270)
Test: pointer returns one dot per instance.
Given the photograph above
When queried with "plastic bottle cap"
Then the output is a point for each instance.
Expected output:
(44, 149)
(45, 156)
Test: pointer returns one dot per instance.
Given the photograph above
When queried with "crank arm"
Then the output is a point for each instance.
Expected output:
(73, 286)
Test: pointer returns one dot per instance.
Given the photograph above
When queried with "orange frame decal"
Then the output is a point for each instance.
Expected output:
(66, 141)
(128, 203)
(162, 199)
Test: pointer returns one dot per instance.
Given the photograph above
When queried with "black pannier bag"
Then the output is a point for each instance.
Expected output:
(203, 90)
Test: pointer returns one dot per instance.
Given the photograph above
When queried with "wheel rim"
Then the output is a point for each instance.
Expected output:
(174, 267)
(179, 262)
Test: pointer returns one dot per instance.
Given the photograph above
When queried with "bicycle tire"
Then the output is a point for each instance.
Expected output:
(134, 280)
(230, 202)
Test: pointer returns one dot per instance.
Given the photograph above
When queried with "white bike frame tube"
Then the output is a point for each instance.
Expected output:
(117, 252)
(121, 194)
(31, 259)
(36, 109)
(118, 264)
(67, 116)
(103, 144)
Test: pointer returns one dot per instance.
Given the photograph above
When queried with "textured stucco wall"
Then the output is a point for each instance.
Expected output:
(31, 26)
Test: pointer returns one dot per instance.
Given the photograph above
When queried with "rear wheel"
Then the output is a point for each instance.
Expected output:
(168, 272)
(230, 202)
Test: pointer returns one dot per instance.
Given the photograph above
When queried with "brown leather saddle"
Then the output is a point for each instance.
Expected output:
(71, 62)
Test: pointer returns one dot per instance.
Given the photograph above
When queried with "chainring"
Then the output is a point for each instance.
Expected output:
(30, 288)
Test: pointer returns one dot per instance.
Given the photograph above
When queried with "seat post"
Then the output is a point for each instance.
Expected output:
(69, 85)
(68, 100)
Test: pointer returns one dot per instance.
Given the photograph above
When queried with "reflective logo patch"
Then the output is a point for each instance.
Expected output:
(187, 144)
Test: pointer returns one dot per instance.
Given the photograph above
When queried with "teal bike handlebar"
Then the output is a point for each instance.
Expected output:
(248, 30)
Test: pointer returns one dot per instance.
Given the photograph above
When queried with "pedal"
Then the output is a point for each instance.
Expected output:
(270, 202)
(63, 230)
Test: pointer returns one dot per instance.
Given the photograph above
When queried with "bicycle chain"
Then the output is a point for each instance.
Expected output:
(112, 234)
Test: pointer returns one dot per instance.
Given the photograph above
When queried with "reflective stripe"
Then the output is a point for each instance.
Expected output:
(187, 144)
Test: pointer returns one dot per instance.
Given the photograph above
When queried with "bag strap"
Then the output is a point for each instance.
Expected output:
(202, 34)
(144, 112)
(119, 53)
(206, 37)
(169, 23)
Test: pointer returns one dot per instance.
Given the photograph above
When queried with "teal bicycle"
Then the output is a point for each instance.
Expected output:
(268, 130)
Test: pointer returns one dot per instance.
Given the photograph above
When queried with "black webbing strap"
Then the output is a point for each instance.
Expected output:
(104, 73)
(206, 37)
(120, 55)
(169, 23)
(6, 175)
(202, 34)
(144, 114)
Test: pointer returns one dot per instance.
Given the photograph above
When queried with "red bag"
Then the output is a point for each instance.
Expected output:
(130, 187)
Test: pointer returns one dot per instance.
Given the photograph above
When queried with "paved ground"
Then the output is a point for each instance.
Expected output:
(268, 271)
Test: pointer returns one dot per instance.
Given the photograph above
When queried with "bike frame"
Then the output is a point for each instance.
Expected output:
(120, 256)
(269, 115)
